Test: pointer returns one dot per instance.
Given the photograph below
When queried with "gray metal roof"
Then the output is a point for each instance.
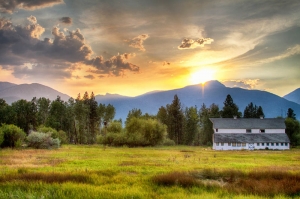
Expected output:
(248, 123)
(251, 137)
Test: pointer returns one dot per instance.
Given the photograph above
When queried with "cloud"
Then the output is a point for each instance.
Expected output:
(116, 65)
(191, 43)
(8, 6)
(89, 77)
(166, 63)
(37, 71)
(246, 84)
(138, 42)
(66, 20)
(295, 50)
(22, 44)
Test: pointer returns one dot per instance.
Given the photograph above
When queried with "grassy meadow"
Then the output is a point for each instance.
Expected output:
(156, 172)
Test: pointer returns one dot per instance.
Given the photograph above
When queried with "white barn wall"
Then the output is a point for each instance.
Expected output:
(226, 147)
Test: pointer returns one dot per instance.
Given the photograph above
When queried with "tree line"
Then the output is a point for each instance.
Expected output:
(82, 121)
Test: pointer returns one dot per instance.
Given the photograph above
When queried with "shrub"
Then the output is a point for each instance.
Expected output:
(1, 137)
(145, 132)
(62, 136)
(169, 142)
(42, 141)
(114, 127)
(45, 129)
(12, 135)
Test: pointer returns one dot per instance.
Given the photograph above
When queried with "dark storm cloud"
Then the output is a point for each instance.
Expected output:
(8, 6)
(191, 43)
(66, 20)
(116, 65)
(22, 44)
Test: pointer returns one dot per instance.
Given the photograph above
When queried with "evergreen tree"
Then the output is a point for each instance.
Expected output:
(3, 111)
(162, 115)
(57, 114)
(81, 111)
(93, 120)
(260, 112)
(22, 114)
(176, 119)
(43, 108)
(230, 109)
(291, 114)
(206, 126)
(191, 126)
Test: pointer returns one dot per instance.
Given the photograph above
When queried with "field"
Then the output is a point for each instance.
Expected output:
(155, 172)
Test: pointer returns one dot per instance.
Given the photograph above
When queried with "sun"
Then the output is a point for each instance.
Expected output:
(202, 76)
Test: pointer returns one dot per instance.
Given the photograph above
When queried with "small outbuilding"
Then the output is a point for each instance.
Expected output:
(249, 134)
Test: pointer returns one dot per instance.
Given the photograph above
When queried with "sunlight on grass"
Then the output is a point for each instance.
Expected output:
(73, 171)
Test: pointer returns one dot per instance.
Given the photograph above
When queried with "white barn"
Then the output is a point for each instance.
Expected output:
(250, 134)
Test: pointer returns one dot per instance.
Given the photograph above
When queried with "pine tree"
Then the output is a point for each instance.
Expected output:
(93, 118)
(260, 112)
(291, 114)
(176, 117)
(191, 125)
(230, 109)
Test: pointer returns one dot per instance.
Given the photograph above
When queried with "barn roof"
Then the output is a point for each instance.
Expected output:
(251, 137)
(248, 123)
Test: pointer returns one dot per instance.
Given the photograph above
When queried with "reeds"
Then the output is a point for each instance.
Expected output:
(263, 183)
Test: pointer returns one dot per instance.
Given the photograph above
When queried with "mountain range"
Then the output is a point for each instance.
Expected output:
(14, 92)
(194, 95)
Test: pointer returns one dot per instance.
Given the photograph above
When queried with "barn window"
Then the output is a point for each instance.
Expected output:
(258, 144)
(222, 143)
(262, 144)
(217, 130)
(248, 130)
(217, 143)
(262, 130)
(286, 144)
(268, 144)
(277, 144)
(229, 144)
(272, 144)
(234, 144)
(281, 144)
(238, 144)
(243, 144)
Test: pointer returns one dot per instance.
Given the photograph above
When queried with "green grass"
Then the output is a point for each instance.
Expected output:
(155, 172)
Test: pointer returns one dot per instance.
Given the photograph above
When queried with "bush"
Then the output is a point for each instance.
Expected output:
(145, 132)
(42, 141)
(169, 142)
(1, 137)
(61, 135)
(12, 135)
(51, 131)
(114, 127)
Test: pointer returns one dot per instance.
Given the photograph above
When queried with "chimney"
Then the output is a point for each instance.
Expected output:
(234, 117)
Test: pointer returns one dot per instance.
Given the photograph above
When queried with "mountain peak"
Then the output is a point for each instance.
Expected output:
(214, 84)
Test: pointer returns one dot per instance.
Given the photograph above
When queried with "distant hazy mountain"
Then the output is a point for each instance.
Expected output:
(293, 96)
(5, 85)
(13, 92)
(196, 95)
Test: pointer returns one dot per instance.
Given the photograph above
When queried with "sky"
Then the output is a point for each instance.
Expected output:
(131, 47)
